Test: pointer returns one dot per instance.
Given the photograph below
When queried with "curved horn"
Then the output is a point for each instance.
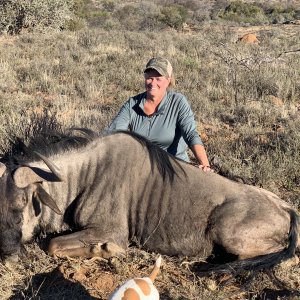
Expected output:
(53, 168)
(46, 199)
(2, 169)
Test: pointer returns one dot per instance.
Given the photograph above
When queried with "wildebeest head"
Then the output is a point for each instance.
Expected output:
(18, 189)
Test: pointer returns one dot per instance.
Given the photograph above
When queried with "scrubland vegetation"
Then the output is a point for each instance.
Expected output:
(73, 63)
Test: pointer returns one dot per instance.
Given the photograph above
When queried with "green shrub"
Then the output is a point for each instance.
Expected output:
(241, 12)
(128, 16)
(218, 8)
(16, 15)
(88, 13)
(279, 14)
(174, 15)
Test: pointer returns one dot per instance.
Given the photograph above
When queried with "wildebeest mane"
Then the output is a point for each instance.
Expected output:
(46, 143)
(54, 142)
(158, 156)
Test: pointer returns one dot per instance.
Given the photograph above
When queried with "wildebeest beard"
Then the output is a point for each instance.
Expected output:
(10, 218)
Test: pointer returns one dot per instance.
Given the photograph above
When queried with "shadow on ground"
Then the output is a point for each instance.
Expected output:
(52, 286)
(270, 294)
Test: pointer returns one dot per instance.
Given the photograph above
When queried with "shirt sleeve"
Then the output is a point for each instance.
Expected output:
(187, 124)
(122, 119)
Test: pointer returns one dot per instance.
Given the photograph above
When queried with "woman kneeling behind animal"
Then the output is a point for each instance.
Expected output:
(162, 115)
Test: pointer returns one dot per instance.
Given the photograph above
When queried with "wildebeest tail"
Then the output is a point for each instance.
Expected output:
(155, 270)
(258, 262)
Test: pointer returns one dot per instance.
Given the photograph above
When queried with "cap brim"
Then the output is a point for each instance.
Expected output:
(159, 70)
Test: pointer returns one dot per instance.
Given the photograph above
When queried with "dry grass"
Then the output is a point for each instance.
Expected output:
(246, 100)
(39, 276)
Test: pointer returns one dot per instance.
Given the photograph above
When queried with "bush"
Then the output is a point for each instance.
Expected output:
(278, 14)
(16, 15)
(75, 24)
(174, 15)
(241, 12)
(218, 8)
(128, 16)
(92, 14)
(152, 16)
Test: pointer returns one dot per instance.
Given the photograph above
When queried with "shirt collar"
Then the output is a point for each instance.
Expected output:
(161, 106)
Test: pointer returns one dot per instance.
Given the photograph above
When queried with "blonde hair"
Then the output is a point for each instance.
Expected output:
(172, 82)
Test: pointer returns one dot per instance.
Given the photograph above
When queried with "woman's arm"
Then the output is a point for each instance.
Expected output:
(200, 154)
(122, 119)
(191, 135)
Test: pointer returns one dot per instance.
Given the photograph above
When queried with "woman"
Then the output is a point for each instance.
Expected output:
(162, 115)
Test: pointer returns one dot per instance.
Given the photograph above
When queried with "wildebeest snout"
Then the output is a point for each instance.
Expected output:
(10, 244)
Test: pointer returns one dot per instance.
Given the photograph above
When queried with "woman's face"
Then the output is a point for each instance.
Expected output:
(155, 84)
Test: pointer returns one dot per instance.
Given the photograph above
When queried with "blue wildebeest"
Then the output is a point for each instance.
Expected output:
(120, 187)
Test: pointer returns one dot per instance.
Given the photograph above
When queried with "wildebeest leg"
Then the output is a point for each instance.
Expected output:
(249, 231)
(84, 244)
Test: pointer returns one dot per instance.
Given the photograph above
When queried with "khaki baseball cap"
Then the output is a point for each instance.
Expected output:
(161, 65)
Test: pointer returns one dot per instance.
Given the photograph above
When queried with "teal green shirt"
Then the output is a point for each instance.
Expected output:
(172, 127)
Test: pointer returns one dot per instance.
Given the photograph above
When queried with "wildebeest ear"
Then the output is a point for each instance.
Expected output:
(46, 199)
(2, 169)
(23, 176)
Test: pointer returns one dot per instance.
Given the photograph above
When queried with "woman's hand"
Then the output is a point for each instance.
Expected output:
(205, 168)
(200, 155)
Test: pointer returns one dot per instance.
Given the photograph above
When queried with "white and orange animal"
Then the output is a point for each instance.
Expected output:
(139, 288)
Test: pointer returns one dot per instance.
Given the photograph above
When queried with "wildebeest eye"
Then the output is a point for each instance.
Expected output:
(17, 216)
(18, 220)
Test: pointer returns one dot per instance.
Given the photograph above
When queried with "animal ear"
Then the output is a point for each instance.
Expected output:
(46, 199)
(2, 169)
(24, 176)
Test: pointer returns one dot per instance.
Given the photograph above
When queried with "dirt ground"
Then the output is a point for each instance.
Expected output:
(39, 276)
